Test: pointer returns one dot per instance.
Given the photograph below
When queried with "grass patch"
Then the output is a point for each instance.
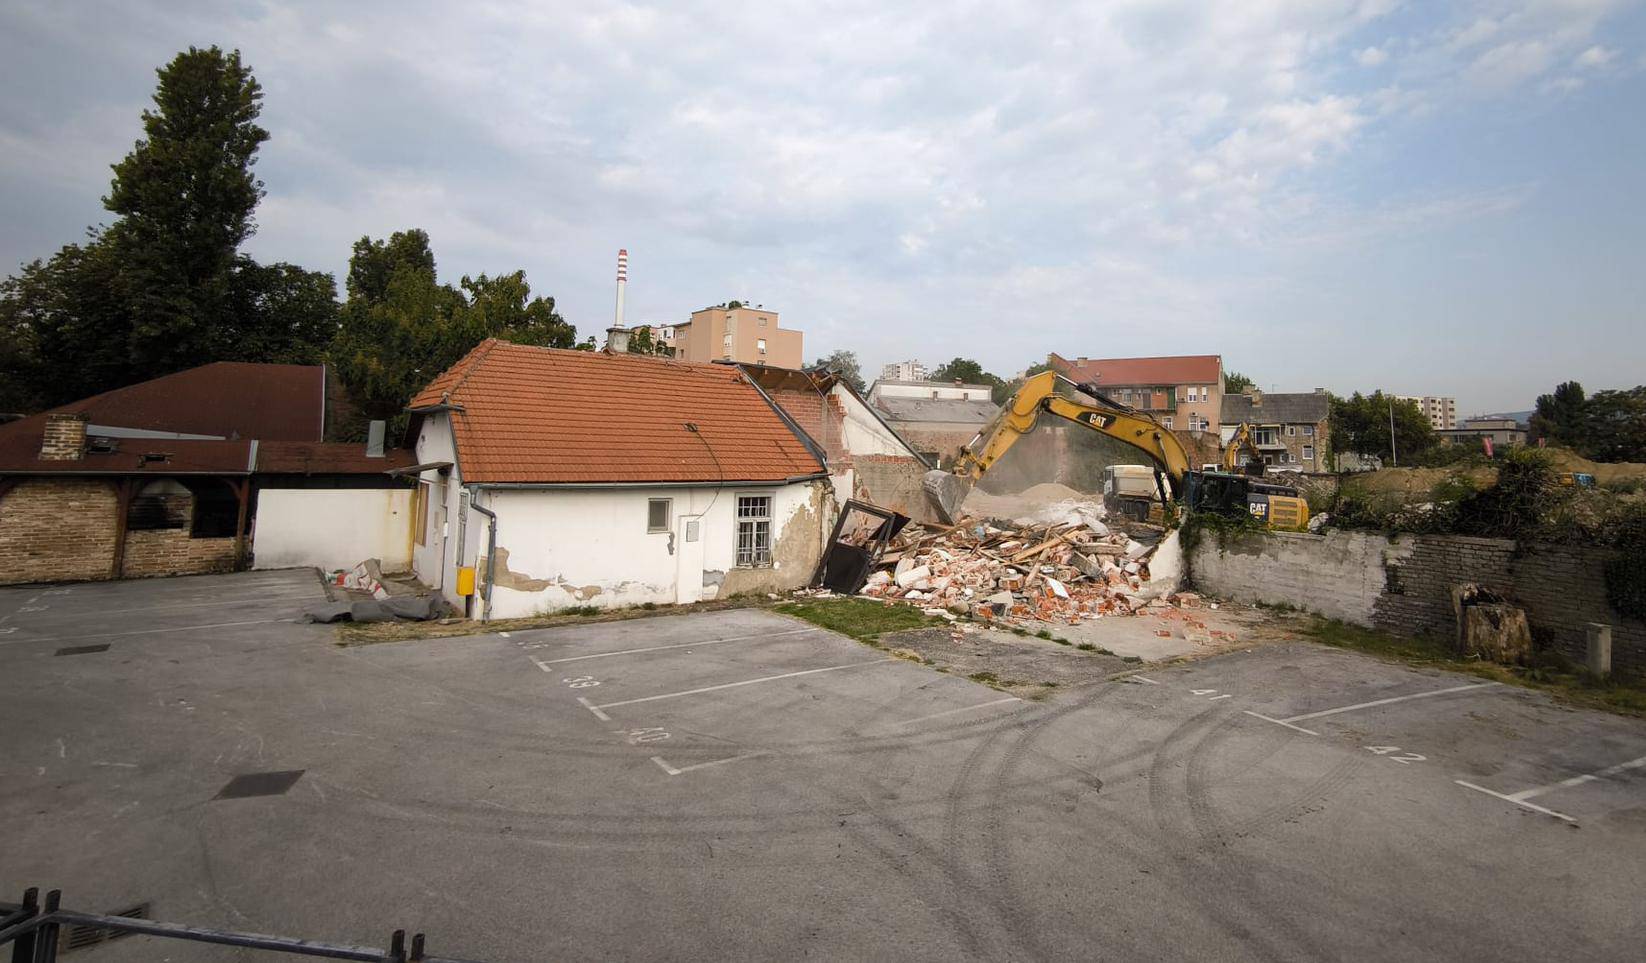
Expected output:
(1086, 647)
(860, 619)
(585, 610)
(987, 678)
(1044, 634)
(1552, 672)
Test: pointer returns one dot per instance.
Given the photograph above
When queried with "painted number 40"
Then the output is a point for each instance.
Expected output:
(1396, 753)
(581, 682)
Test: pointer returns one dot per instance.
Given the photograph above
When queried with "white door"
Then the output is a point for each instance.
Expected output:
(688, 575)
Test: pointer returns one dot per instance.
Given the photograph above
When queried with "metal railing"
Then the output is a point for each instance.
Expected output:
(35, 931)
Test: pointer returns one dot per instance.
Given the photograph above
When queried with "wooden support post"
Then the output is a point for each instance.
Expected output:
(123, 490)
(242, 491)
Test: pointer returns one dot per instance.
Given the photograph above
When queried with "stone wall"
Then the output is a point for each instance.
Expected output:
(171, 551)
(1404, 584)
(57, 530)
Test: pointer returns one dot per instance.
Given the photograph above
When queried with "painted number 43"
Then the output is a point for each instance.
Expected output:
(1396, 753)
(581, 682)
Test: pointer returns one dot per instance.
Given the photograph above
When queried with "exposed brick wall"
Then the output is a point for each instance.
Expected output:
(1404, 585)
(57, 529)
(171, 551)
(63, 530)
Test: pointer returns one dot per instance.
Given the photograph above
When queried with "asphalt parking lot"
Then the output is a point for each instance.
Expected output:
(740, 785)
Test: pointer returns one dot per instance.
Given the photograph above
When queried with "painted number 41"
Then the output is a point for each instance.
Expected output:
(1396, 753)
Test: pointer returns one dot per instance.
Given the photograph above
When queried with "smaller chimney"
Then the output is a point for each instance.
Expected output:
(65, 438)
(622, 283)
(617, 339)
(374, 439)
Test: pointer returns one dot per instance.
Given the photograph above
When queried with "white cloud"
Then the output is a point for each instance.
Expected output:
(1371, 56)
(1595, 57)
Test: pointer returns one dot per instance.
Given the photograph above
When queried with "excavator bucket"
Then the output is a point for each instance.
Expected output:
(946, 492)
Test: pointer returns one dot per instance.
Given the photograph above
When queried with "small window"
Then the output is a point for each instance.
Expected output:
(657, 514)
(1308, 453)
(1291, 430)
(760, 345)
(1308, 431)
(154, 512)
(762, 322)
(754, 530)
(726, 341)
(934, 392)
(1168, 421)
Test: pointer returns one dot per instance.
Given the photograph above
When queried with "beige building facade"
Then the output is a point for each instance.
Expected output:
(734, 332)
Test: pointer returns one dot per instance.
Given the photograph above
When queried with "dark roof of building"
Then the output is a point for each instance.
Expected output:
(940, 410)
(1191, 369)
(225, 399)
(20, 454)
(1299, 408)
(327, 458)
(526, 414)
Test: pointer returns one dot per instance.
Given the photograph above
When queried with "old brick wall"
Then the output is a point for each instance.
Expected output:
(57, 529)
(1404, 585)
(62, 530)
(172, 552)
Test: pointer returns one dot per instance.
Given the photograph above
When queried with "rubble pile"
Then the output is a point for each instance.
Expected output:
(1067, 570)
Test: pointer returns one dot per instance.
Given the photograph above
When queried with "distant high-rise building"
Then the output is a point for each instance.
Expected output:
(1441, 412)
(905, 371)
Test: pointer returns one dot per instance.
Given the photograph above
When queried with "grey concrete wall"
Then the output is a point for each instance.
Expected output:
(1403, 585)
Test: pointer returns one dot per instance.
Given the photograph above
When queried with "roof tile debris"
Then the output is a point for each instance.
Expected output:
(530, 415)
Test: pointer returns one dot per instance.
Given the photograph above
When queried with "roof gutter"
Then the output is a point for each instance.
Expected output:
(491, 550)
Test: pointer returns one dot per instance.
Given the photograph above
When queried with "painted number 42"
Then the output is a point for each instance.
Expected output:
(581, 682)
(1396, 753)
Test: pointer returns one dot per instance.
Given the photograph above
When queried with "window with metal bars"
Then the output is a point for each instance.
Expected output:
(754, 530)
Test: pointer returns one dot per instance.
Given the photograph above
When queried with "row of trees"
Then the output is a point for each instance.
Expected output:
(1605, 426)
(166, 285)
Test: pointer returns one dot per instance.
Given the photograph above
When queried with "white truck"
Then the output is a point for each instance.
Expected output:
(1130, 490)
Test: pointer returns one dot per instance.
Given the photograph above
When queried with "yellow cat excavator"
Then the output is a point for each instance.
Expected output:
(1225, 493)
(1242, 443)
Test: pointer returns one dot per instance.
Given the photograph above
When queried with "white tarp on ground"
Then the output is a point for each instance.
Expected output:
(333, 528)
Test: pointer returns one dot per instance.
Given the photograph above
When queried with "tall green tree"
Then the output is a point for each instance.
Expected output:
(1614, 425)
(1560, 417)
(967, 371)
(1361, 424)
(401, 327)
(165, 287)
(845, 364)
(1234, 382)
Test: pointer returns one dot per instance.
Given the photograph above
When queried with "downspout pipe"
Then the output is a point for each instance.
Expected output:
(491, 554)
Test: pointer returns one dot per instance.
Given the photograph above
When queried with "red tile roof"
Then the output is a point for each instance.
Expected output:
(329, 458)
(230, 399)
(1192, 369)
(547, 415)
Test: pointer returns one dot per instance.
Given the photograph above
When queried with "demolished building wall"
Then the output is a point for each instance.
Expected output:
(1403, 585)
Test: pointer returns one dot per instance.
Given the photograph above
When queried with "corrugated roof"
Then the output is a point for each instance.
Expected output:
(230, 399)
(948, 410)
(20, 453)
(552, 416)
(1191, 369)
(1299, 408)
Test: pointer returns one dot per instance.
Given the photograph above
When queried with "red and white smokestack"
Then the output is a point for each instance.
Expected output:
(622, 282)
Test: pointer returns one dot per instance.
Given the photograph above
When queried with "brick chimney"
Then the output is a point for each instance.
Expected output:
(65, 438)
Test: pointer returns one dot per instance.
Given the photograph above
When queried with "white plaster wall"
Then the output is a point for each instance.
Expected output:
(944, 390)
(861, 433)
(433, 561)
(333, 528)
(567, 543)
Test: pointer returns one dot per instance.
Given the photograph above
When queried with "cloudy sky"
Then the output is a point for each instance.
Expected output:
(1442, 198)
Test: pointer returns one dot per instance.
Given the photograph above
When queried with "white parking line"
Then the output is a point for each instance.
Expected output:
(660, 648)
(702, 765)
(1281, 722)
(1383, 702)
(594, 709)
(950, 712)
(1518, 802)
(1143, 680)
(1578, 780)
(116, 635)
(733, 685)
